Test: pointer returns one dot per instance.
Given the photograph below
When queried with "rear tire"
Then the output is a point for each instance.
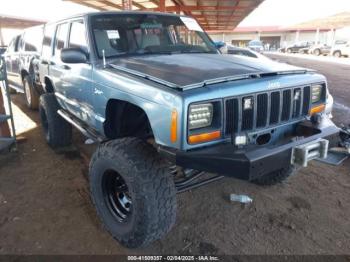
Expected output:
(58, 132)
(133, 191)
(31, 95)
(275, 177)
(289, 51)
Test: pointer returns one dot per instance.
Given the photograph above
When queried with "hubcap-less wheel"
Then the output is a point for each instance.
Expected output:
(27, 92)
(45, 124)
(118, 199)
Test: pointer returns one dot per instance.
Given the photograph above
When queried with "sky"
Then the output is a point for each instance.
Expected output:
(270, 12)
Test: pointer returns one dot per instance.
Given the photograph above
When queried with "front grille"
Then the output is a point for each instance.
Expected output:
(267, 109)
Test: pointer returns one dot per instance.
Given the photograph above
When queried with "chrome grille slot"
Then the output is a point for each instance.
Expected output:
(266, 109)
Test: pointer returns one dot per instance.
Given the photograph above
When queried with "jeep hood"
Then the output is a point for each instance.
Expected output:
(185, 71)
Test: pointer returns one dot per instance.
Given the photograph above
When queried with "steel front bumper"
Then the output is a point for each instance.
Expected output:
(254, 161)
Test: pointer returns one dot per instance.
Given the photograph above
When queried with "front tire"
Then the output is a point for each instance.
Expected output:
(133, 191)
(275, 177)
(317, 52)
(337, 54)
(58, 132)
(31, 95)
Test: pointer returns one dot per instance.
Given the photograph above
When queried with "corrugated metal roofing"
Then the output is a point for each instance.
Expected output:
(212, 15)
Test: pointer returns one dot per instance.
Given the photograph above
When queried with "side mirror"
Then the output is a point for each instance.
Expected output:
(219, 44)
(74, 56)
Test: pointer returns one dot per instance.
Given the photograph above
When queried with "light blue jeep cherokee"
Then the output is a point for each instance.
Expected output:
(166, 106)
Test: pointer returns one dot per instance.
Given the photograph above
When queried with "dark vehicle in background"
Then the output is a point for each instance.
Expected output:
(256, 45)
(21, 57)
(320, 49)
(295, 48)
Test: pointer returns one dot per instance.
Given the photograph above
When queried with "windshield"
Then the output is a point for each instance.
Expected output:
(137, 34)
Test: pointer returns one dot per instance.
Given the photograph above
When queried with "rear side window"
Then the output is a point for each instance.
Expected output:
(61, 37)
(77, 38)
(47, 41)
(33, 39)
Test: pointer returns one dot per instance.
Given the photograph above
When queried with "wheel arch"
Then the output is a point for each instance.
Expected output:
(48, 85)
(124, 119)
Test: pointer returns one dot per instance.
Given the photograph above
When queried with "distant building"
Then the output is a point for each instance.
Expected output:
(325, 30)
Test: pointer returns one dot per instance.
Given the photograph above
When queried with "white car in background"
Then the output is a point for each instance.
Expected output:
(341, 48)
(234, 50)
(256, 45)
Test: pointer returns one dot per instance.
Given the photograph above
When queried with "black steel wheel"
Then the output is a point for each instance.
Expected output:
(117, 195)
(133, 191)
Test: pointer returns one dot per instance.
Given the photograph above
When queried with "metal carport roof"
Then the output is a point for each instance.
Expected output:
(14, 22)
(211, 14)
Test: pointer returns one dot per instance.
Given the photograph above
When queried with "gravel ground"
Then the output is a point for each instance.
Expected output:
(45, 206)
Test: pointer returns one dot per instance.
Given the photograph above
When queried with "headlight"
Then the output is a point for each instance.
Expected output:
(200, 116)
(316, 93)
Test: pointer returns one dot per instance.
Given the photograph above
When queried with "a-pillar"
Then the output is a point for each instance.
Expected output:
(297, 34)
(317, 36)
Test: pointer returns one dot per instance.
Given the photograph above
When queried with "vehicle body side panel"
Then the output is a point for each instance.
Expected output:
(157, 102)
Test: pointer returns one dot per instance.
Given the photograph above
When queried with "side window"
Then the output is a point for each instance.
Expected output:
(47, 41)
(61, 37)
(77, 38)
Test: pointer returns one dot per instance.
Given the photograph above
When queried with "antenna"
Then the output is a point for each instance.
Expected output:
(104, 58)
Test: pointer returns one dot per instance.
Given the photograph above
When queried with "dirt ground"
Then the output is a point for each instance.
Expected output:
(45, 206)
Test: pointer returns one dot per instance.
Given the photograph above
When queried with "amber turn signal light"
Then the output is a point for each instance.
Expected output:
(205, 137)
(173, 127)
(317, 109)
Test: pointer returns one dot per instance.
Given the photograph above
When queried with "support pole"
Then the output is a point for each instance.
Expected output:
(127, 5)
(162, 5)
(317, 36)
(2, 42)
